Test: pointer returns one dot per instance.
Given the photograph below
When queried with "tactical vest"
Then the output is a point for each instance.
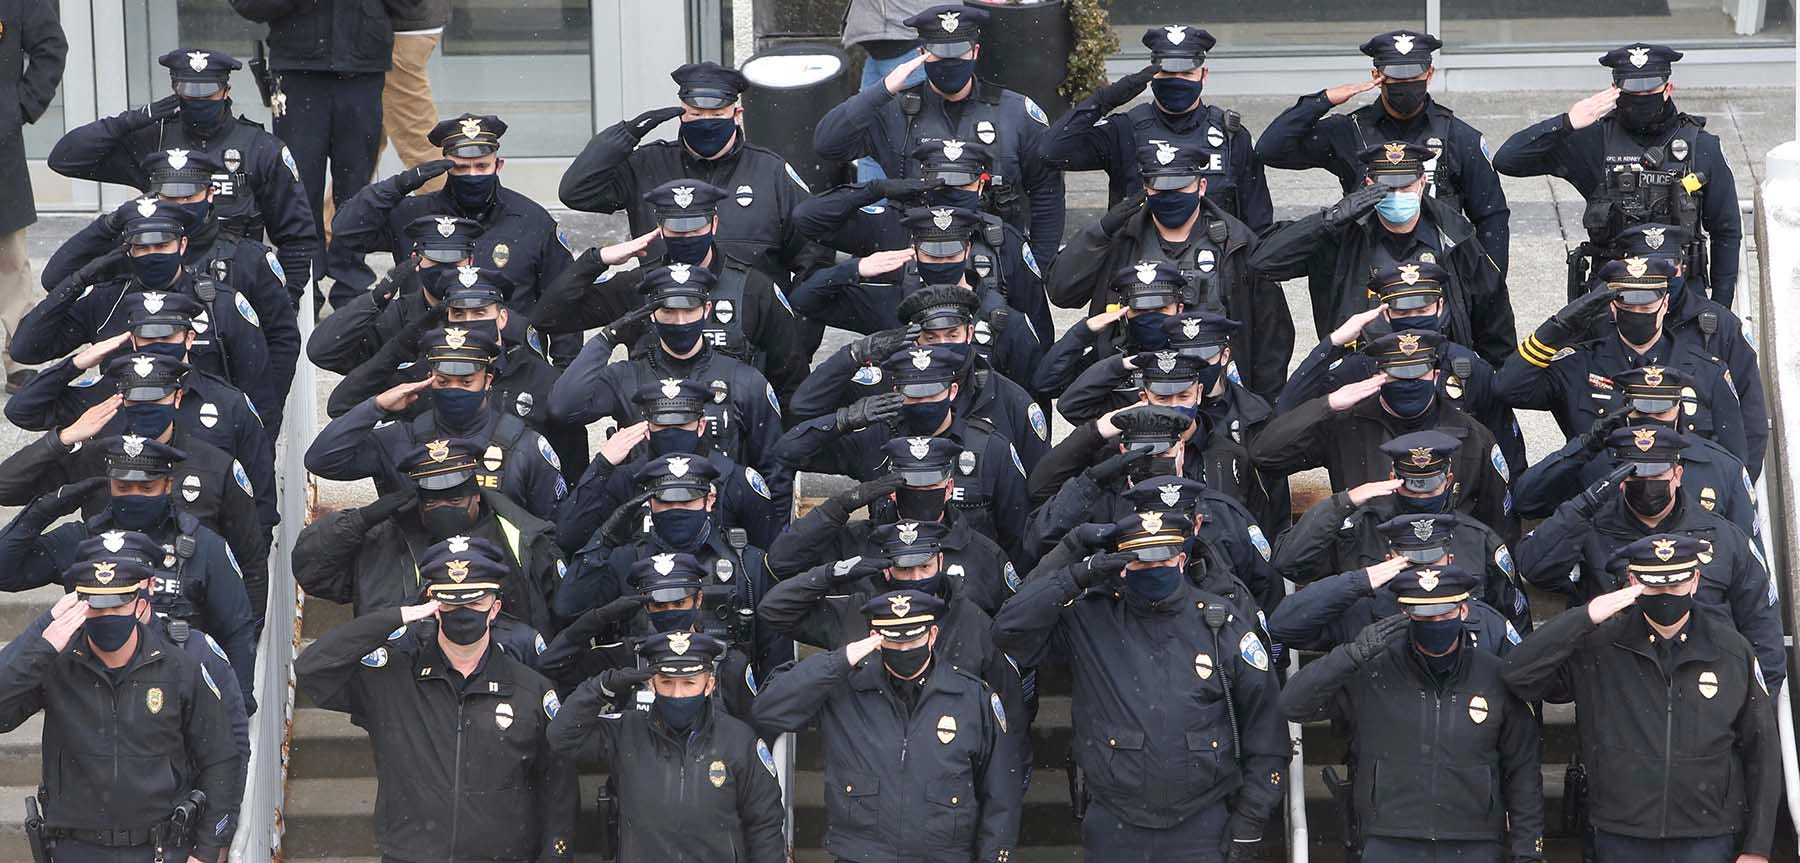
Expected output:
(234, 199)
(980, 120)
(724, 328)
(491, 472)
(214, 295)
(521, 402)
(1645, 182)
(970, 496)
(1213, 136)
(1199, 264)
(1445, 183)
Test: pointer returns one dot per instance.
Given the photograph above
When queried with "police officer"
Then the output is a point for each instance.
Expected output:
(958, 791)
(154, 236)
(678, 418)
(919, 488)
(750, 318)
(356, 330)
(118, 802)
(1172, 221)
(668, 594)
(855, 441)
(1351, 528)
(888, 122)
(259, 190)
(1559, 370)
(199, 581)
(1634, 157)
(681, 497)
(1389, 221)
(463, 767)
(1719, 788)
(594, 387)
(371, 439)
(952, 173)
(1570, 551)
(247, 266)
(1095, 135)
(369, 557)
(1652, 396)
(1419, 304)
(615, 170)
(519, 238)
(1460, 173)
(666, 810)
(1477, 730)
(1190, 767)
(1343, 432)
(1149, 294)
(938, 315)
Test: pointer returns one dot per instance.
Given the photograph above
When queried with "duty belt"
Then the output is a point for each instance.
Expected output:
(129, 838)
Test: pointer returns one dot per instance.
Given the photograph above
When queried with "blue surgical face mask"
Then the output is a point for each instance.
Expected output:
(1173, 209)
(674, 619)
(682, 529)
(204, 116)
(951, 74)
(473, 193)
(458, 409)
(1145, 330)
(679, 713)
(1408, 398)
(674, 440)
(689, 249)
(707, 137)
(172, 350)
(1175, 95)
(680, 338)
(924, 418)
(950, 196)
(1398, 208)
(110, 632)
(147, 419)
(1152, 583)
(139, 512)
(156, 270)
(942, 272)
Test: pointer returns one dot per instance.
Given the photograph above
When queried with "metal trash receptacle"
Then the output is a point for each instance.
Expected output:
(791, 87)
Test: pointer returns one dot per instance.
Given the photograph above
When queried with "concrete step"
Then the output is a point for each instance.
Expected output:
(18, 610)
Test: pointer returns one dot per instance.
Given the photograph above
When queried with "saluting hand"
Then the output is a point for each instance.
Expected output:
(1098, 323)
(857, 651)
(400, 397)
(67, 616)
(91, 421)
(1350, 395)
(1369, 491)
(883, 262)
(636, 247)
(1340, 94)
(896, 80)
(617, 449)
(1588, 111)
(1608, 604)
(1351, 329)
(96, 353)
(415, 613)
(1381, 573)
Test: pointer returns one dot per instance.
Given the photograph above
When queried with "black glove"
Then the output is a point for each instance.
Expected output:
(1353, 206)
(620, 681)
(1100, 567)
(165, 108)
(1572, 320)
(1112, 468)
(650, 119)
(1092, 536)
(1242, 835)
(1594, 439)
(867, 411)
(1375, 638)
(403, 274)
(100, 268)
(406, 342)
(868, 492)
(611, 331)
(1125, 209)
(1588, 502)
(877, 347)
(603, 622)
(413, 178)
(385, 506)
(847, 572)
(1127, 88)
(50, 507)
(902, 190)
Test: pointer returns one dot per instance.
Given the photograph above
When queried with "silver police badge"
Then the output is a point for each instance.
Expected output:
(1422, 529)
(178, 159)
(966, 463)
(662, 563)
(1206, 260)
(684, 195)
(153, 301)
(142, 365)
(146, 207)
(984, 132)
(523, 404)
(234, 159)
(723, 570)
(953, 149)
(113, 540)
(1165, 152)
(503, 716)
(190, 484)
(467, 276)
(492, 458)
(920, 447)
(671, 388)
(1165, 361)
(1639, 56)
(1678, 148)
(209, 415)
(724, 311)
(1146, 271)
(745, 196)
(908, 532)
(134, 445)
(458, 544)
(681, 273)
(942, 218)
(446, 225)
(1190, 328)
(1214, 137)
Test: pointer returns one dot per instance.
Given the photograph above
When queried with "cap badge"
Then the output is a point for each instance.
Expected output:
(681, 273)
(1165, 152)
(197, 60)
(1177, 33)
(671, 388)
(1165, 360)
(900, 605)
(662, 563)
(1636, 266)
(953, 149)
(943, 218)
(678, 466)
(1653, 375)
(1190, 328)
(146, 207)
(134, 445)
(920, 447)
(1403, 43)
(950, 20)
(143, 365)
(467, 276)
(1422, 529)
(471, 127)
(680, 642)
(946, 728)
(1653, 237)
(456, 337)
(1421, 456)
(153, 301)
(1409, 343)
(1409, 273)
(1428, 579)
(921, 359)
(1664, 549)
(1639, 56)
(113, 540)
(178, 159)
(1152, 521)
(1643, 439)
(908, 532)
(437, 450)
(457, 544)
(503, 716)
(1478, 709)
(103, 572)
(458, 570)
(1146, 271)
(1394, 152)
(446, 225)
(684, 195)
(1169, 494)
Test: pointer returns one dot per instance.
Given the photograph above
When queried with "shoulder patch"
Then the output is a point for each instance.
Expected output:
(1512, 634)
(604, 277)
(548, 453)
(795, 176)
(1261, 542)
(287, 158)
(562, 570)
(216, 649)
(781, 296)
(867, 376)
(551, 704)
(767, 758)
(1499, 463)
(207, 677)
(1503, 559)
(1030, 260)
(1486, 152)
(1034, 112)
(398, 631)
(750, 678)
(999, 711)
(1756, 669)
(757, 483)
(1251, 649)
(773, 401)
(252, 406)
(537, 643)
(1011, 574)
(1017, 463)
(1039, 423)
(275, 266)
(376, 658)
(231, 557)
(247, 311)
(243, 479)
(873, 209)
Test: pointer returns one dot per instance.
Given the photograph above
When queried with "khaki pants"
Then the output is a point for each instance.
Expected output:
(17, 291)
(407, 112)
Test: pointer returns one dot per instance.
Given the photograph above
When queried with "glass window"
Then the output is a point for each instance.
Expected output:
(1493, 22)
(1322, 24)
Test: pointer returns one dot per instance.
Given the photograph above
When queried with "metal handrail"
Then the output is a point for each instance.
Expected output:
(1299, 837)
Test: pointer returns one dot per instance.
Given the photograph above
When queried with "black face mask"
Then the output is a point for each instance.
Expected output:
(683, 529)
(679, 338)
(437, 280)
(139, 512)
(1665, 609)
(1648, 497)
(1436, 636)
(674, 619)
(157, 269)
(679, 712)
(1638, 328)
(1416, 322)
(950, 196)
(707, 137)
(674, 440)
(110, 632)
(1638, 112)
(924, 418)
(933, 585)
(457, 408)
(1404, 99)
(1434, 503)
(950, 75)
(148, 419)
(443, 522)
(920, 504)
(906, 664)
(173, 350)
(489, 327)
(473, 193)
(1139, 471)
(203, 117)
(690, 249)
(940, 272)
(1172, 209)
(463, 625)
(1175, 95)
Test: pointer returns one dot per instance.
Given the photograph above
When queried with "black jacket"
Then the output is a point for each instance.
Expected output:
(1453, 760)
(464, 770)
(342, 36)
(1674, 748)
(31, 67)
(827, 534)
(1332, 611)
(708, 796)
